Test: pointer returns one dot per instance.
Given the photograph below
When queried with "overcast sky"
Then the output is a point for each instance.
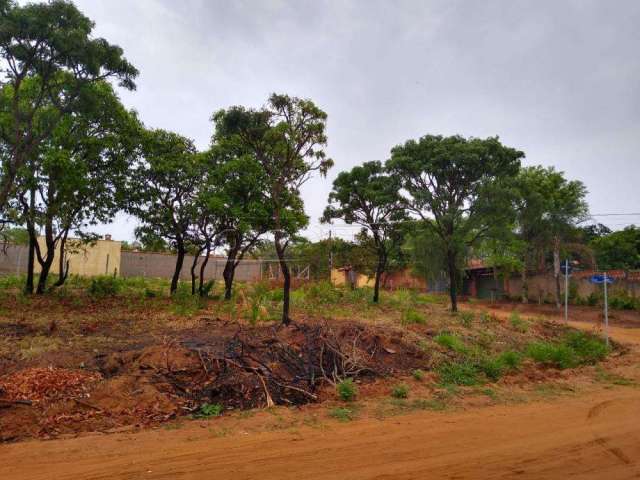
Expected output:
(559, 80)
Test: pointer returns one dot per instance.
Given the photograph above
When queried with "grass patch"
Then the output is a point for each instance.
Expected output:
(576, 348)
(208, 410)
(342, 414)
(452, 342)
(604, 376)
(418, 374)
(518, 323)
(466, 318)
(400, 391)
(411, 316)
(458, 373)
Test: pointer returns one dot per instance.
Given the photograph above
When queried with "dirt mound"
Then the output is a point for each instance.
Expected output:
(253, 367)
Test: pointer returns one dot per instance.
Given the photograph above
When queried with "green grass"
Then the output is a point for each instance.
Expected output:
(417, 374)
(466, 318)
(458, 373)
(518, 323)
(208, 410)
(342, 414)
(411, 316)
(576, 348)
(346, 390)
(452, 342)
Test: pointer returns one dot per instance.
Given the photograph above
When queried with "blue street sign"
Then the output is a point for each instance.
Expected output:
(600, 279)
(566, 268)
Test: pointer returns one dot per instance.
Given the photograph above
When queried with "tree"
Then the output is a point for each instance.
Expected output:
(455, 185)
(76, 178)
(618, 250)
(287, 138)
(162, 191)
(549, 208)
(50, 43)
(245, 213)
(365, 195)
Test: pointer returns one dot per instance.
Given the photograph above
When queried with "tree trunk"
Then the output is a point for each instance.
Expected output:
(63, 263)
(453, 284)
(203, 267)
(525, 286)
(556, 269)
(179, 262)
(286, 274)
(194, 264)
(31, 258)
(45, 267)
(229, 271)
(379, 271)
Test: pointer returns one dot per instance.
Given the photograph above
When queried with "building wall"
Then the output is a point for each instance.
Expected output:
(101, 258)
(401, 279)
(162, 265)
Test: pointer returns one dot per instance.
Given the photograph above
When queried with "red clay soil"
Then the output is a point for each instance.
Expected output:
(588, 438)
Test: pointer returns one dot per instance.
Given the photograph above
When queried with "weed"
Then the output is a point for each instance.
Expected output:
(510, 359)
(347, 390)
(418, 374)
(466, 318)
(518, 323)
(208, 410)
(492, 368)
(577, 348)
(342, 414)
(400, 391)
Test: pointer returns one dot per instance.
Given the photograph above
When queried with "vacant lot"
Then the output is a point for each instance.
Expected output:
(89, 360)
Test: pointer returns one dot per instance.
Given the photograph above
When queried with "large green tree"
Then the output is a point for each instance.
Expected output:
(163, 189)
(618, 250)
(367, 196)
(456, 186)
(51, 42)
(549, 207)
(76, 179)
(287, 137)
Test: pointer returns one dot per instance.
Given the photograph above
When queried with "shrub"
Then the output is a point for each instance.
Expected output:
(400, 391)
(589, 348)
(492, 368)
(342, 414)
(105, 286)
(411, 316)
(462, 373)
(558, 355)
(417, 374)
(208, 410)
(347, 390)
(452, 342)
(577, 348)
(466, 318)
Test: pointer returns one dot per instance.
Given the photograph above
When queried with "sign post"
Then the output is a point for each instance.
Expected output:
(566, 291)
(606, 310)
(605, 280)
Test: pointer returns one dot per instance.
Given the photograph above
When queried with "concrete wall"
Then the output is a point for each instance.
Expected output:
(162, 265)
(101, 258)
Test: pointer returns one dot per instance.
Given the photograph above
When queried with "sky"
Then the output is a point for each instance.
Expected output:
(557, 79)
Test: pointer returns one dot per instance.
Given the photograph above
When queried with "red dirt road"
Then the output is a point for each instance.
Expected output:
(592, 438)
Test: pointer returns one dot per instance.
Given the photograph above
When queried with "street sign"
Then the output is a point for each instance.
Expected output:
(566, 268)
(601, 279)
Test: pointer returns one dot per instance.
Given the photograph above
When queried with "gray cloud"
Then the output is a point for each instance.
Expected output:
(559, 80)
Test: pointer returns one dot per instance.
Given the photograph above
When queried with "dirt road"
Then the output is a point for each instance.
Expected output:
(593, 438)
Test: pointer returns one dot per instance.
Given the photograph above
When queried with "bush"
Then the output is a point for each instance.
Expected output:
(492, 368)
(347, 390)
(105, 286)
(463, 373)
(557, 355)
(411, 316)
(589, 348)
(418, 374)
(400, 391)
(623, 301)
